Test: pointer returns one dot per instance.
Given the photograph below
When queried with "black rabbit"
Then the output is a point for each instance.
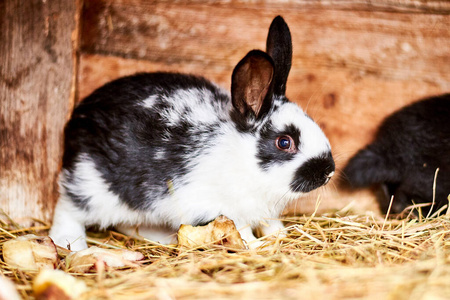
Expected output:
(409, 147)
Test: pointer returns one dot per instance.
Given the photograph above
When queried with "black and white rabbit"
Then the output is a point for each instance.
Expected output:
(157, 150)
(408, 148)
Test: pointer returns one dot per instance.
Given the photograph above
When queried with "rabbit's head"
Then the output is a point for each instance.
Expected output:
(291, 148)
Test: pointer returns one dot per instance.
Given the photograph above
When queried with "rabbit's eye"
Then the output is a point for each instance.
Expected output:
(285, 143)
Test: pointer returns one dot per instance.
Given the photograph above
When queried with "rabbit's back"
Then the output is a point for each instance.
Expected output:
(140, 132)
(420, 130)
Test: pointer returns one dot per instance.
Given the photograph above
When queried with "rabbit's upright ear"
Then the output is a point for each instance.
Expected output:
(251, 84)
(279, 47)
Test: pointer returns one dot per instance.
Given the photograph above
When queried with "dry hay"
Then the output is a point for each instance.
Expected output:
(335, 256)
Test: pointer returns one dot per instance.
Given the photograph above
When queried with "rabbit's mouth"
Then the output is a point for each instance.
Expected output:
(329, 177)
(314, 173)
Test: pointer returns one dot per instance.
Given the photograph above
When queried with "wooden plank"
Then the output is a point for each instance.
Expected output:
(405, 6)
(182, 33)
(36, 70)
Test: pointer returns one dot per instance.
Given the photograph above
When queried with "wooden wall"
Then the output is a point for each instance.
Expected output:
(354, 63)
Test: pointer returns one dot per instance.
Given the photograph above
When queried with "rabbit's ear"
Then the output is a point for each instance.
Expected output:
(279, 47)
(251, 84)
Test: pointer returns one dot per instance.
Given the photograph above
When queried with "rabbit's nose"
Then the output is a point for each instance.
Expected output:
(314, 173)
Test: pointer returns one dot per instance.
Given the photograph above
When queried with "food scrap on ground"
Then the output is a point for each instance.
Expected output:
(220, 232)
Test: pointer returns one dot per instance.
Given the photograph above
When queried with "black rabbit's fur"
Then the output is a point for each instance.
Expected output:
(410, 145)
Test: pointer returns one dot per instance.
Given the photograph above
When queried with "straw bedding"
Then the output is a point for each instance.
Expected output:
(332, 256)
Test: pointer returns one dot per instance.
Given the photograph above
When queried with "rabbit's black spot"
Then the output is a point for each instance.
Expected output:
(293, 132)
(202, 221)
(314, 173)
(80, 201)
(242, 125)
(268, 153)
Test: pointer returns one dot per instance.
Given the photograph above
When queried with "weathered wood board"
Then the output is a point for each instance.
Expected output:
(36, 80)
(354, 62)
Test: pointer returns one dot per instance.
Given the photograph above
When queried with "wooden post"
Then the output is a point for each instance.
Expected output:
(36, 83)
